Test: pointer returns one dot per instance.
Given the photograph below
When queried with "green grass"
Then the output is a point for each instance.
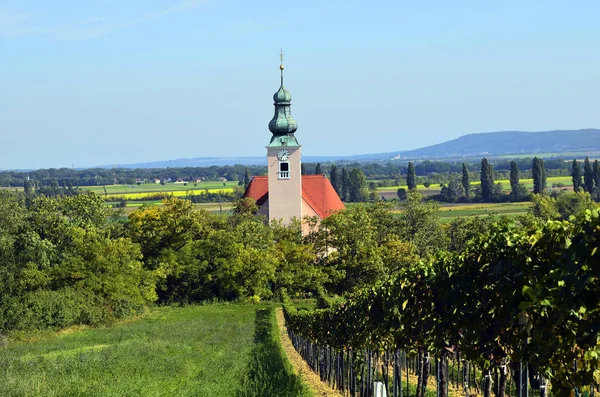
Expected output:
(270, 373)
(450, 212)
(157, 187)
(193, 351)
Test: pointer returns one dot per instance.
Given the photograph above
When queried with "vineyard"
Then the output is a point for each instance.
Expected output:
(517, 308)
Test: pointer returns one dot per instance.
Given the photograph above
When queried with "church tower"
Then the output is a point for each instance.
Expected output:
(283, 160)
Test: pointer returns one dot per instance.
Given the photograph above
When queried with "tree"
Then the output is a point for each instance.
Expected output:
(466, 183)
(334, 178)
(597, 176)
(576, 176)
(452, 192)
(514, 178)
(246, 177)
(401, 194)
(345, 185)
(302, 169)
(419, 224)
(318, 169)
(544, 176)
(588, 176)
(411, 178)
(487, 180)
(356, 186)
(536, 172)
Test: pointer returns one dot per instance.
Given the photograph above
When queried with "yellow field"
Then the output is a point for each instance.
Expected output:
(175, 193)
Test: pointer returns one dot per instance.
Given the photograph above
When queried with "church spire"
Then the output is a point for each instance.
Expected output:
(282, 122)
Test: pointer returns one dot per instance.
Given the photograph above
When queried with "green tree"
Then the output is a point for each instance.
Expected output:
(356, 186)
(544, 176)
(576, 176)
(597, 177)
(419, 224)
(514, 178)
(401, 193)
(536, 172)
(487, 180)
(588, 176)
(345, 185)
(318, 169)
(466, 183)
(452, 192)
(334, 178)
(246, 177)
(411, 178)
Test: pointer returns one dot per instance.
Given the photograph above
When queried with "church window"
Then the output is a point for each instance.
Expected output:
(284, 170)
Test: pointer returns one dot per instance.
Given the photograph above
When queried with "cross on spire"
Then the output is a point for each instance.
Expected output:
(281, 64)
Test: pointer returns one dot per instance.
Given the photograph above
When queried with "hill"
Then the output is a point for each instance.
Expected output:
(513, 142)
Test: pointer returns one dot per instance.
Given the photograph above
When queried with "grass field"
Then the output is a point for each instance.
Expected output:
(450, 212)
(157, 187)
(212, 350)
(565, 180)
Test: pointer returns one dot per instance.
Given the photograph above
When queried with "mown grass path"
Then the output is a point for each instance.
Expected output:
(193, 351)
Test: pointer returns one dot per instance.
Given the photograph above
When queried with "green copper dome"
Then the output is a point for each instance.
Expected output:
(282, 96)
(282, 122)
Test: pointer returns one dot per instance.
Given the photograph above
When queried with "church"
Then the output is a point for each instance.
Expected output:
(285, 194)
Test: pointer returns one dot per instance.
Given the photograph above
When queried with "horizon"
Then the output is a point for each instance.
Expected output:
(113, 83)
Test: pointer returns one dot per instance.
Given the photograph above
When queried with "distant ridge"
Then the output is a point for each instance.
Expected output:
(513, 142)
(471, 145)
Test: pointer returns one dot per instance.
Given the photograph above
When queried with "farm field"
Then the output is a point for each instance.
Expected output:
(435, 187)
(157, 187)
(138, 192)
(211, 350)
(452, 211)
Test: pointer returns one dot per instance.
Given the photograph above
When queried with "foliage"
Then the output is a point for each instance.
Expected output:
(63, 263)
(561, 206)
(411, 179)
(576, 175)
(588, 176)
(334, 178)
(487, 180)
(356, 186)
(511, 293)
(466, 184)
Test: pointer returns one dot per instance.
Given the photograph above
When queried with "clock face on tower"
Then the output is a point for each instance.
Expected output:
(283, 155)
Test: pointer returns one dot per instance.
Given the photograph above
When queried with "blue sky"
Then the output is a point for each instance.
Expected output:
(111, 82)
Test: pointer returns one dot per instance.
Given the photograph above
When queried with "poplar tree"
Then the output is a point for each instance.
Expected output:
(345, 185)
(465, 180)
(334, 178)
(487, 180)
(514, 178)
(597, 173)
(318, 169)
(588, 176)
(536, 172)
(246, 177)
(411, 178)
(576, 176)
(544, 176)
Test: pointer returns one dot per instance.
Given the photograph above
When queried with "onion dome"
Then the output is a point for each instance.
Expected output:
(282, 122)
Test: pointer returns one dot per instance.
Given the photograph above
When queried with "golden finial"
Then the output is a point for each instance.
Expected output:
(281, 67)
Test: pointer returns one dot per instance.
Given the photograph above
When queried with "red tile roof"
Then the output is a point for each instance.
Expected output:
(316, 191)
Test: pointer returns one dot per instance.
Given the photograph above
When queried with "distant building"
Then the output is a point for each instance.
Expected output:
(285, 193)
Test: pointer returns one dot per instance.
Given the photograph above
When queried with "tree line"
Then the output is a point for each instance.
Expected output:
(65, 177)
